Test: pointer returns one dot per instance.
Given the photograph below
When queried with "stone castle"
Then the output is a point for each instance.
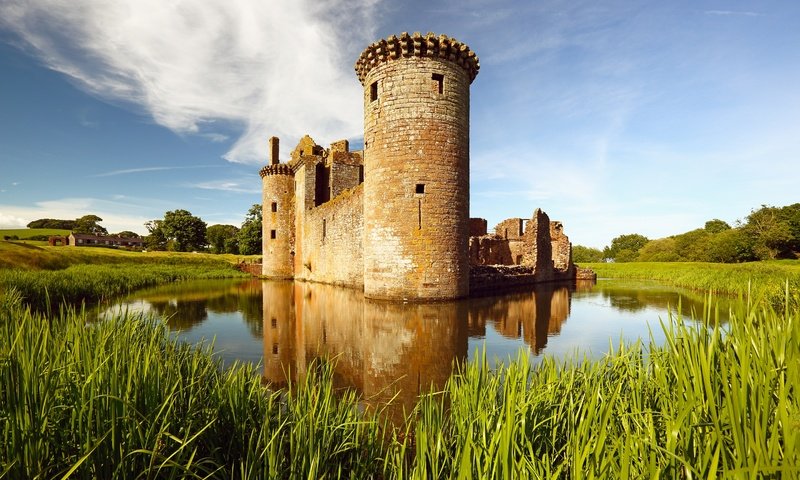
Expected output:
(393, 218)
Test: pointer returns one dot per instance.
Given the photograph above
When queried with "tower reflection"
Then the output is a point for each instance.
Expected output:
(393, 350)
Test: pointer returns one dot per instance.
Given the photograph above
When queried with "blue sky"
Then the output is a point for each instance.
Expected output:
(614, 117)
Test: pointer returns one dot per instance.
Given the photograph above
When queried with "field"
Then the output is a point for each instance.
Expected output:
(774, 280)
(48, 276)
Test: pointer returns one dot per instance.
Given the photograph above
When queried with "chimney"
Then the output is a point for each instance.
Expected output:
(273, 151)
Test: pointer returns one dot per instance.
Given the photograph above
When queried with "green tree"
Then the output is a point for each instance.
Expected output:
(250, 233)
(184, 231)
(659, 250)
(89, 224)
(770, 229)
(716, 226)
(219, 237)
(581, 254)
(157, 239)
(625, 248)
(52, 223)
(127, 234)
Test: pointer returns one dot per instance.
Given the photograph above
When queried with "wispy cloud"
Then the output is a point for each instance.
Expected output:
(117, 216)
(243, 186)
(282, 67)
(11, 221)
(733, 12)
(151, 169)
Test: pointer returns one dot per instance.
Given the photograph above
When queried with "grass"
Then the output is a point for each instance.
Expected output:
(64, 275)
(25, 233)
(123, 399)
(718, 278)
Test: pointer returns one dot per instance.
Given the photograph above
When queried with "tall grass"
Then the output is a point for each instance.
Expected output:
(123, 399)
(770, 277)
(708, 404)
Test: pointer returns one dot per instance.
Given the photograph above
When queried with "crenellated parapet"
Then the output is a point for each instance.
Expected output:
(276, 169)
(417, 45)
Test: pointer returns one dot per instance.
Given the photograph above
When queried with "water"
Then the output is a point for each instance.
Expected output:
(387, 349)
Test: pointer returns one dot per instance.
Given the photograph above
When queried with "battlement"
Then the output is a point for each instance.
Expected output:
(276, 169)
(417, 45)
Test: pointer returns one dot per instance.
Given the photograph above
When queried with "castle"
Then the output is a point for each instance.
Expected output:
(393, 219)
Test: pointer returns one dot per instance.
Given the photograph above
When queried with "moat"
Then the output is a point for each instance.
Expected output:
(385, 348)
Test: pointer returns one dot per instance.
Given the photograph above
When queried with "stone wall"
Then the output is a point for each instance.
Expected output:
(477, 227)
(510, 229)
(329, 239)
(561, 248)
(416, 155)
(489, 250)
(538, 249)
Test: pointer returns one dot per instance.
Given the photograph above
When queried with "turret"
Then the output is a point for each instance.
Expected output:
(277, 220)
(416, 154)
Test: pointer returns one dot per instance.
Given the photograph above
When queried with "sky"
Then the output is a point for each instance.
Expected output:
(614, 117)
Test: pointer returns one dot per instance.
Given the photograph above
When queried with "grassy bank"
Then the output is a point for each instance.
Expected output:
(121, 399)
(68, 275)
(720, 278)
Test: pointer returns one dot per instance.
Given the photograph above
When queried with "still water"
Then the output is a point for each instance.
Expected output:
(383, 349)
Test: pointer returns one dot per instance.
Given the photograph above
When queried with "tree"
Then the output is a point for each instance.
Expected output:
(184, 231)
(89, 224)
(220, 236)
(659, 250)
(157, 240)
(581, 254)
(127, 234)
(625, 248)
(770, 229)
(250, 233)
(716, 226)
(52, 223)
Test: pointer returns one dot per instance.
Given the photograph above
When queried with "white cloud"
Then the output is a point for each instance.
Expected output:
(11, 221)
(150, 169)
(733, 12)
(282, 67)
(117, 216)
(244, 186)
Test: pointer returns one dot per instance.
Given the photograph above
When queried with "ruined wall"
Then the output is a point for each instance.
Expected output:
(489, 250)
(329, 239)
(477, 227)
(562, 249)
(537, 247)
(416, 154)
(277, 213)
(511, 229)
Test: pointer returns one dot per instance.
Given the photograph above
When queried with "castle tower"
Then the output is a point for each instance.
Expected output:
(277, 219)
(416, 154)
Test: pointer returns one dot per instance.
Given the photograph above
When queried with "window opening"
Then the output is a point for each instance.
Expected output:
(324, 228)
(419, 214)
(274, 322)
(274, 348)
(322, 184)
(361, 174)
(274, 206)
(272, 234)
(420, 188)
(373, 91)
(438, 82)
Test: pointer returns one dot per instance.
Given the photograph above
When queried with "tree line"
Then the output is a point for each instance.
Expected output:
(767, 233)
(178, 231)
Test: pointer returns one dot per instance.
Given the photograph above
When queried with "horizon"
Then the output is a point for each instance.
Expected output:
(612, 118)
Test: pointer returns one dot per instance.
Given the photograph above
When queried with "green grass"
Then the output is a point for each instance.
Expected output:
(123, 399)
(25, 233)
(728, 279)
(55, 275)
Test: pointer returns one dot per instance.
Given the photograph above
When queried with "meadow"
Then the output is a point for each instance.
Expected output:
(49, 276)
(26, 233)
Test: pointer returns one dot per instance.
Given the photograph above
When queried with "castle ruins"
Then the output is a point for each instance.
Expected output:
(393, 218)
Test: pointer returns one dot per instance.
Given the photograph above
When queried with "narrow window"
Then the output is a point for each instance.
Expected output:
(272, 234)
(324, 228)
(274, 322)
(361, 174)
(438, 82)
(420, 188)
(274, 348)
(373, 91)
(274, 206)
(419, 214)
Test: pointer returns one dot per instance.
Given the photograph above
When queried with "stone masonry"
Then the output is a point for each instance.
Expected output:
(393, 219)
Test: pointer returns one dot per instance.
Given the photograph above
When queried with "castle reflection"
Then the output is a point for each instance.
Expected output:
(386, 350)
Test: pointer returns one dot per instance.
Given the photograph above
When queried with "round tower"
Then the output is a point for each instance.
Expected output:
(416, 166)
(277, 219)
